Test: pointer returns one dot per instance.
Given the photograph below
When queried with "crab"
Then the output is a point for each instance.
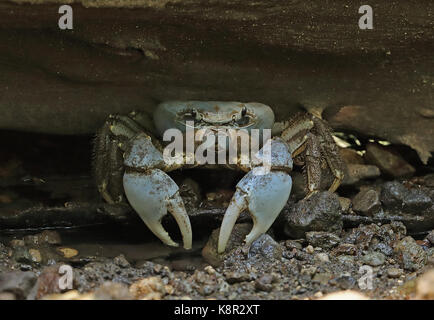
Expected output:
(130, 166)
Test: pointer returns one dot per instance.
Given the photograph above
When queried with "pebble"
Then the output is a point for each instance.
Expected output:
(374, 258)
(36, 255)
(347, 260)
(121, 261)
(210, 270)
(266, 247)
(236, 277)
(67, 252)
(322, 258)
(19, 283)
(293, 244)
(151, 288)
(321, 212)
(394, 272)
(323, 278)
(22, 255)
(409, 254)
(325, 240)
(345, 203)
(389, 162)
(345, 249)
(367, 202)
(396, 196)
(112, 291)
(309, 249)
(344, 281)
(264, 283)
(350, 156)
(357, 172)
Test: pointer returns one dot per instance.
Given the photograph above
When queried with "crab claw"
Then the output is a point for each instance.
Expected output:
(152, 194)
(264, 196)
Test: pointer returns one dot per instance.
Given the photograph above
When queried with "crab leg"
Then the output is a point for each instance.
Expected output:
(262, 192)
(152, 194)
(264, 196)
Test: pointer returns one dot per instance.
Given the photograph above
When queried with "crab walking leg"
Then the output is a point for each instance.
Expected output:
(152, 194)
(264, 196)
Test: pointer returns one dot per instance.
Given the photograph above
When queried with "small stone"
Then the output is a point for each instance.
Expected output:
(346, 249)
(322, 258)
(236, 276)
(210, 270)
(394, 272)
(374, 258)
(393, 195)
(389, 161)
(357, 172)
(321, 212)
(367, 202)
(346, 260)
(345, 203)
(322, 278)
(112, 291)
(383, 248)
(36, 255)
(206, 290)
(409, 254)
(308, 270)
(416, 200)
(293, 244)
(22, 255)
(121, 261)
(350, 156)
(19, 283)
(310, 249)
(344, 281)
(151, 288)
(264, 283)
(266, 247)
(67, 252)
(325, 240)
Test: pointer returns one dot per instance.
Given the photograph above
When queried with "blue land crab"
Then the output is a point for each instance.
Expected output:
(130, 166)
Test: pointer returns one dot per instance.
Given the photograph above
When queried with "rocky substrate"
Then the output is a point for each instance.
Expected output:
(380, 260)
(374, 235)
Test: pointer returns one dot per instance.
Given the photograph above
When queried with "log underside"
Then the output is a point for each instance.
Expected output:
(291, 55)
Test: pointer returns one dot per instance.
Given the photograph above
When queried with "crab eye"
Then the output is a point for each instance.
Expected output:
(243, 111)
(192, 115)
